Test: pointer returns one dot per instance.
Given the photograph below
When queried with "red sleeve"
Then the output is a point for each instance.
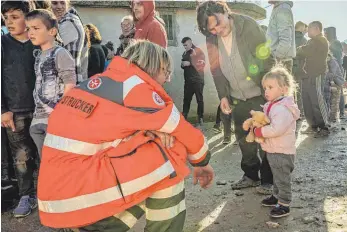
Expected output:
(198, 59)
(157, 34)
(257, 132)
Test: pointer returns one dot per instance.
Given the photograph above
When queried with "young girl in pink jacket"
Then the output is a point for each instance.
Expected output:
(279, 137)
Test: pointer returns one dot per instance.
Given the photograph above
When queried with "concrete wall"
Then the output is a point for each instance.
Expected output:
(108, 22)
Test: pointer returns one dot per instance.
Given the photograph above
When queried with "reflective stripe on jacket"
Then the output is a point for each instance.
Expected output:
(96, 158)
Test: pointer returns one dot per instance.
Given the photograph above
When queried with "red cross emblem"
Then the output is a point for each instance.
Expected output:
(94, 83)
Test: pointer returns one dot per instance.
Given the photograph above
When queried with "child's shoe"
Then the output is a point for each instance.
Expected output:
(280, 211)
(270, 201)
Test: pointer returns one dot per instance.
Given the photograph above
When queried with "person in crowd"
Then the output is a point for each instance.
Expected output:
(17, 103)
(148, 25)
(344, 60)
(54, 69)
(279, 137)
(73, 35)
(128, 33)
(135, 123)
(193, 63)
(336, 49)
(298, 64)
(332, 89)
(42, 4)
(281, 33)
(109, 52)
(300, 32)
(315, 53)
(335, 45)
(97, 58)
(237, 68)
(343, 104)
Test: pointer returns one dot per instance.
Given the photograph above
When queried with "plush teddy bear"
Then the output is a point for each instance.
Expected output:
(258, 120)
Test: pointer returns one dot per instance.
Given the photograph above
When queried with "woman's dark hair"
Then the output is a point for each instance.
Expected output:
(43, 4)
(24, 6)
(207, 9)
(94, 34)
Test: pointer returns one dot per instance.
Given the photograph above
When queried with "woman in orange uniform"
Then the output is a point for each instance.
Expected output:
(100, 171)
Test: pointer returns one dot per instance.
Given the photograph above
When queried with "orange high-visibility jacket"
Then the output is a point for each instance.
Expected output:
(96, 160)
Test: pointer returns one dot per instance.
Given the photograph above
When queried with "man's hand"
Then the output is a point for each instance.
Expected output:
(185, 63)
(7, 120)
(224, 106)
(166, 139)
(203, 175)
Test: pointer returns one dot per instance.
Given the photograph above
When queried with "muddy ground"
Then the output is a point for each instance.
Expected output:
(319, 193)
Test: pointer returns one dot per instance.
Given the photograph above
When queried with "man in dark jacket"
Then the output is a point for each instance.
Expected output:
(239, 57)
(298, 64)
(315, 53)
(193, 63)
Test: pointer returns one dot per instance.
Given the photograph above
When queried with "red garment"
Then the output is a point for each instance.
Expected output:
(149, 27)
(96, 159)
(257, 131)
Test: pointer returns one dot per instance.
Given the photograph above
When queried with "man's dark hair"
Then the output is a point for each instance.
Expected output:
(185, 39)
(317, 24)
(207, 9)
(24, 6)
(46, 16)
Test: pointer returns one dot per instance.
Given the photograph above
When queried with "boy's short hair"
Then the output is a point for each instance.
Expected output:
(24, 6)
(317, 24)
(207, 9)
(185, 39)
(46, 16)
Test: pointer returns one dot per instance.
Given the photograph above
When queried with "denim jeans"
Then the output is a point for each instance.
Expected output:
(38, 134)
(251, 164)
(23, 151)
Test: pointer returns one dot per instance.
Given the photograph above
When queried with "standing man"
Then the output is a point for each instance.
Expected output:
(298, 64)
(238, 58)
(315, 53)
(193, 63)
(281, 33)
(336, 48)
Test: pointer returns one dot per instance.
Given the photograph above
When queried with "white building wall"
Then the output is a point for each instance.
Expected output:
(108, 22)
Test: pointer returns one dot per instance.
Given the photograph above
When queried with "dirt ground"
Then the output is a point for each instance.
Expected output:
(319, 192)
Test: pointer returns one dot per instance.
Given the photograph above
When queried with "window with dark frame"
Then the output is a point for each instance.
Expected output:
(169, 19)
